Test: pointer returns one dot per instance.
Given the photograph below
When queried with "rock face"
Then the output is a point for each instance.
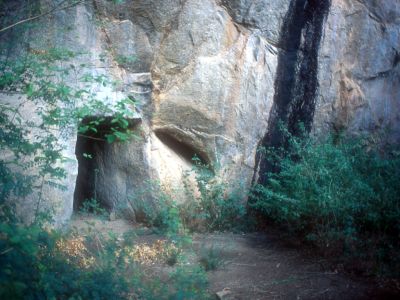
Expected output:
(212, 79)
(359, 69)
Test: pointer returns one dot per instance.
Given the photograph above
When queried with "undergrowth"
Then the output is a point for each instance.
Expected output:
(93, 207)
(39, 263)
(340, 195)
(211, 258)
(219, 205)
(162, 215)
(210, 205)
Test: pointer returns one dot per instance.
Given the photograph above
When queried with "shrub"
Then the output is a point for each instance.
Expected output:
(219, 206)
(190, 282)
(339, 195)
(93, 207)
(210, 258)
(162, 215)
(41, 264)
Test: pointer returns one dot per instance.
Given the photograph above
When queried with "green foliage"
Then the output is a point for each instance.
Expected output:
(163, 215)
(173, 256)
(341, 196)
(210, 258)
(189, 283)
(42, 264)
(123, 59)
(220, 206)
(93, 207)
(120, 126)
(117, 1)
(35, 267)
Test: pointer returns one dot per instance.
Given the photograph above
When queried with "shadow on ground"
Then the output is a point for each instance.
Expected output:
(254, 266)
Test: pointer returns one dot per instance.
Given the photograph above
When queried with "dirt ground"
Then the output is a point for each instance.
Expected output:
(257, 266)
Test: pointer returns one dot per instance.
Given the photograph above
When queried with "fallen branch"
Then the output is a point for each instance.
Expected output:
(57, 8)
(91, 137)
(6, 251)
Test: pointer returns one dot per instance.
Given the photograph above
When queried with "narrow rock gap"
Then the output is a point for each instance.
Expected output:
(296, 81)
(88, 149)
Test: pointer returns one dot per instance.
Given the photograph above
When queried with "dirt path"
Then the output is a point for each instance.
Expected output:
(256, 266)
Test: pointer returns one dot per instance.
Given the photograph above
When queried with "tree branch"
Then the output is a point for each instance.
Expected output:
(57, 8)
(6, 251)
(91, 137)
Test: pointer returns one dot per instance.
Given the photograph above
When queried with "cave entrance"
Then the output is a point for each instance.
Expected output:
(89, 147)
(92, 149)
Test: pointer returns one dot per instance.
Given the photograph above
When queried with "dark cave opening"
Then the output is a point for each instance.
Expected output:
(183, 149)
(91, 152)
(88, 149)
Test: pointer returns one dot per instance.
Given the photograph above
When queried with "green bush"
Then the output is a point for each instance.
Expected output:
(190, 282)
(163, 215)
(210, 258)
(342, 196)
(93, 207)
(220, 206)
(34, 266)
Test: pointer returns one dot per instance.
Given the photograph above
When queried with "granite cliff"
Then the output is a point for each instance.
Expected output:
(212, 78)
